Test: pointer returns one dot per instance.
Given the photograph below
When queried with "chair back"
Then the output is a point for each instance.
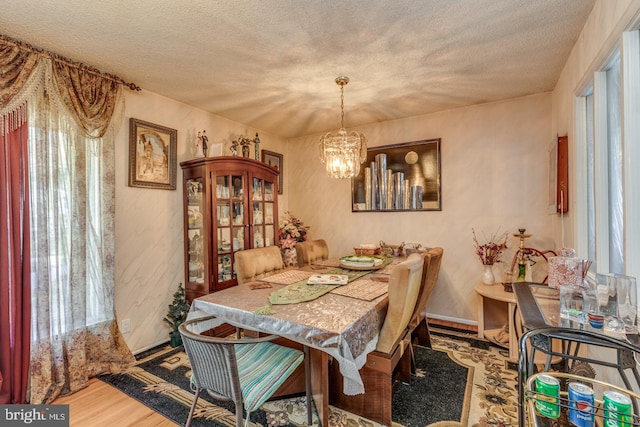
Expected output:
(430, 271)
(252, 264)
(213, 361)
(311, 251)
(404, 286)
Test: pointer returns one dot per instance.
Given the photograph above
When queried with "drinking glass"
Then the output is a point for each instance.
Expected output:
(627, 300)
(606, 294)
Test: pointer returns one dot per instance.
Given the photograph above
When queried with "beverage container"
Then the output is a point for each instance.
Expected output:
(617, 409)
(606, 294)
(581, 402)
(571, 302)
(547, 396)
(627, 300)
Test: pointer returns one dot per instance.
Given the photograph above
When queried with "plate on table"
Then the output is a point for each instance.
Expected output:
(361, 262)
(328, 279)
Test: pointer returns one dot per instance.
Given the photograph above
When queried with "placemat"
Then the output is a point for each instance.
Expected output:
(389, 268)
(299, 292)
(331, 262)
(364, 289)
(287, 277)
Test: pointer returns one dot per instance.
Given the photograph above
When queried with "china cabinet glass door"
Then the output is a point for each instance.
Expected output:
(195, 230)
(230, 223)
(262, 201)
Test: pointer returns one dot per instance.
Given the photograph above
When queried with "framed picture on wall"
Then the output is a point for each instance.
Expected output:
(152, 155)
(274, 160)
(400, 177)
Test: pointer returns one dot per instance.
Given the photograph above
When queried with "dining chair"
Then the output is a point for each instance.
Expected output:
(391, 360)
(246, 371)
(252, 264)
(311, 251)
(418, 325)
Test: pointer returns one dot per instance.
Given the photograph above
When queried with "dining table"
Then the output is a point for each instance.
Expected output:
(338, 323)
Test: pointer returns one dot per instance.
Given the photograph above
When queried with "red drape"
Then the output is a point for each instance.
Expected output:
(15, 284)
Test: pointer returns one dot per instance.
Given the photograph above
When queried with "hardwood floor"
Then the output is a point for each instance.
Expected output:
(101, 405)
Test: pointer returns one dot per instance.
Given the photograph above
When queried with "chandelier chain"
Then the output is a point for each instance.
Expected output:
(342, 106)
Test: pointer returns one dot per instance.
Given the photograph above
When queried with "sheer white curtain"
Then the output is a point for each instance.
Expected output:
(616, 202)
(74, 333)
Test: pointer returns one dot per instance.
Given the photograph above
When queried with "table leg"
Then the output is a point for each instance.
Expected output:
(319, 368)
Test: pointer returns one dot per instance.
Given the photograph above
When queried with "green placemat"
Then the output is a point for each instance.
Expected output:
(301, 292)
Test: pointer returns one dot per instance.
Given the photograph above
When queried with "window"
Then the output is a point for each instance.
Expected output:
(604, 150)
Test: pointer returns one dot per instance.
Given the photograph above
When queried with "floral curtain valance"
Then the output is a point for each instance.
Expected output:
(89, 94)
(16, 66)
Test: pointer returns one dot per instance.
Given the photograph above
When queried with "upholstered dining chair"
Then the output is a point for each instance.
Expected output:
(252, 264)
(246, 371)
(311, 251)
(391, 359)
(418, 325)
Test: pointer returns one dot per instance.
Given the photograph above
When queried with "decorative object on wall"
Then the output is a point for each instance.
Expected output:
(559, 176)
(274, 160)
(400, 177)
(342, 152)
(152, 155)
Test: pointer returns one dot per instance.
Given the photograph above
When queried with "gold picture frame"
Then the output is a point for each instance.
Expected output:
(152, 155)
(275, 161)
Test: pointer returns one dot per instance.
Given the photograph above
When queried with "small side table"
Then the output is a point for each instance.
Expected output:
(496, 309)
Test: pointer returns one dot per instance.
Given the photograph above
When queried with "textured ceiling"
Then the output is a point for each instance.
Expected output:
(271, 64)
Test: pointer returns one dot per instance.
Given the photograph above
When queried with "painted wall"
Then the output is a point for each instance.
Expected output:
(149, 222)
(494, 175)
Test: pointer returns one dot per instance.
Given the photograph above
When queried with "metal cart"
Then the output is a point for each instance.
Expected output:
(601, 417)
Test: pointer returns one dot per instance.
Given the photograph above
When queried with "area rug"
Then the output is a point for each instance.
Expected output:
(460, 381)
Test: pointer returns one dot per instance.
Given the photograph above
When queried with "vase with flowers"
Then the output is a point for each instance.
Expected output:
(292, 230)
(490, 252)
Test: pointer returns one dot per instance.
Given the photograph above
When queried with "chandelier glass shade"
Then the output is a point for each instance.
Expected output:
(342, 152)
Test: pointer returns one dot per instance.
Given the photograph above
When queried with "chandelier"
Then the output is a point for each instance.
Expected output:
(342, 152)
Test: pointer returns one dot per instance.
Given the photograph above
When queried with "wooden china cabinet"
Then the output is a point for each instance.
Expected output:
(230, 204)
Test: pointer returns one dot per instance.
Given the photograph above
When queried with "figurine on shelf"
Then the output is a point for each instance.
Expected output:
(234, 148)
(244, 142)
(202, 145)
(198, 151)
(256, 143)
(205, 142)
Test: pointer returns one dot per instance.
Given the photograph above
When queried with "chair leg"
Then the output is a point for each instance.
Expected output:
(406, 365)
(239, 420)
(421, 334)
(193, 407)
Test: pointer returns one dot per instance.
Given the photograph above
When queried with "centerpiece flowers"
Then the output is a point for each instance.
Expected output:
(490, 252)
(292, 230)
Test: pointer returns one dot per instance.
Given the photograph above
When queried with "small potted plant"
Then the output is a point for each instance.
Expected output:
(177, 313)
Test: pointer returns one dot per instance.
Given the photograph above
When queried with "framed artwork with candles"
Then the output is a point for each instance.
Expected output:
(399, 177)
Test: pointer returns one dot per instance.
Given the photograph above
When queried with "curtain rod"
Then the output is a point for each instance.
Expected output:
(58, 58)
